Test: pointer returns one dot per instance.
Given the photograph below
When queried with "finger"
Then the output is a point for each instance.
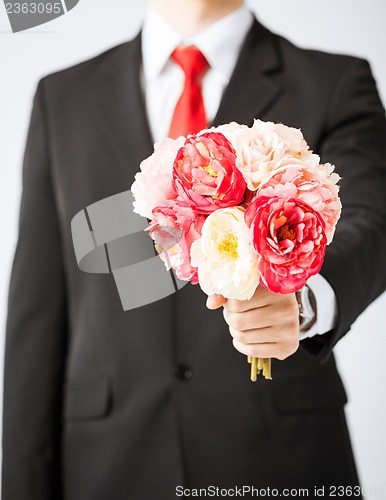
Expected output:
(276, 350)
(253, 319)
(260, 298)
(215, 301)
(233, 305)
(266, 350)
(260, 336)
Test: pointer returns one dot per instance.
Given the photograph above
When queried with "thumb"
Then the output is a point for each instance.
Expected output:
(215, 301)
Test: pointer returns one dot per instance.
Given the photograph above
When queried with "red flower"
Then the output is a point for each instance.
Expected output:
(290, 238)
(205, 173)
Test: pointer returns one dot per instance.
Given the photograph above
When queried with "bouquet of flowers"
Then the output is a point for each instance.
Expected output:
(234, 207)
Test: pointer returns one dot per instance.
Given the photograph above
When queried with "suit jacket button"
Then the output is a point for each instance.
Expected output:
(183, 372)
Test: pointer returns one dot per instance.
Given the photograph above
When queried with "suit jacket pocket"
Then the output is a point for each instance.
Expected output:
(87, 399)
(308, 392)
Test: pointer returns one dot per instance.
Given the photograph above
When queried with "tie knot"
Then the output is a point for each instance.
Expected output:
(191, 60)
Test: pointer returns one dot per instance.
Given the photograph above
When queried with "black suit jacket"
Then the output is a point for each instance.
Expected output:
(101, 404)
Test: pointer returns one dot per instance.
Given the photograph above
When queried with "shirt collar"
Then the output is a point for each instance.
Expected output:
(220, 43)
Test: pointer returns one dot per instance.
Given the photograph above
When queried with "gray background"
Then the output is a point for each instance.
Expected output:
(349, 26)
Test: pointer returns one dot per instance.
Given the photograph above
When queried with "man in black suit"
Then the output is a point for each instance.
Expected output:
(101, 404)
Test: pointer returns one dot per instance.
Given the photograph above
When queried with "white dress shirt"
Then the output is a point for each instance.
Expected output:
(163, 82)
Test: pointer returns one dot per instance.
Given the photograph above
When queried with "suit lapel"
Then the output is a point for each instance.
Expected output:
(120, 108)
(251, 91)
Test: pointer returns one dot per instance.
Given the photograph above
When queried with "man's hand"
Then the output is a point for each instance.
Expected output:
(266, 326)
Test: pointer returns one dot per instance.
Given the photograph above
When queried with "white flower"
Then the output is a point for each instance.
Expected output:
(226, 261)
(153, 184)
(296, 146)
(293, 140)
(258, 149)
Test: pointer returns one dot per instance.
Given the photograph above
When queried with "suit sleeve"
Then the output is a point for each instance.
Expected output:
(355, 140)
(35, 333)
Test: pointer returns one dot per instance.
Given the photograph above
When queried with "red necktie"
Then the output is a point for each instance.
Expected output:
(189, 114)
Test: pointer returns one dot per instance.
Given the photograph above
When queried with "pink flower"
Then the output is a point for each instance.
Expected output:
(174, 227)
(315, 186)
(205, 173)
(153, 184)
(290, 239)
